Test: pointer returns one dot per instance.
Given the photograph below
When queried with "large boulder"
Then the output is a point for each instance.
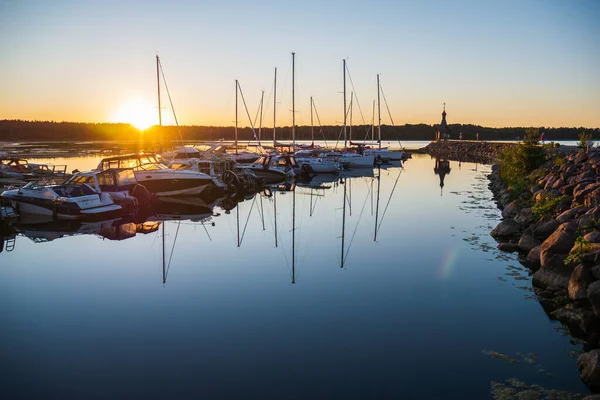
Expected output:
(593, 236)
(534, 255)
(592, 199)
(573, 316)
(589, 367)
(508, 227)
(568, 215)
(568, 189)
(511, 209)
(546, 229)
(508, 247)
(581, 278)
(593, 295)
(582, 189)
(560, 242)
(553, 274)
(528, 242)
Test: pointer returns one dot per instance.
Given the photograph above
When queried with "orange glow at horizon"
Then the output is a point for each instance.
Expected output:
(137, 112)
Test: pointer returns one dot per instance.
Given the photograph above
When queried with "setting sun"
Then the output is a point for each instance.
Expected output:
(137, 112)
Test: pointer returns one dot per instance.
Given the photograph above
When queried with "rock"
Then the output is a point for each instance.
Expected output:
(567, 189)
(581, 318)
(536, 188)
(553, 274)
(508, 247)
(581, 278)
(583, 189)
(568, 215)
(508, 227)
(524, 216)
(546, 229)
(581, 157)
(540, 194)
(593, 236)
(592, 397)
(560, 242)
(510, 209)
(595, 271)
(589, 367)
(534, 255)
(592, 199)
(589, 258)
(593, 295)
(528, 242)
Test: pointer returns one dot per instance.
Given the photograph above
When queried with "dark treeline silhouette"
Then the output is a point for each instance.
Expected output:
(17, 130)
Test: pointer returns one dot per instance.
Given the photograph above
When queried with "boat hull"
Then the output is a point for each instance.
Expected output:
(163, 186)
(385, 155)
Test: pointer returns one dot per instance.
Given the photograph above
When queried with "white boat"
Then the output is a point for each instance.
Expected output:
(273, 167)
(159, 179)
(120, 184)
(350, 160)
(62, 201)
(317, 164)
(384, 154)
(180, 153)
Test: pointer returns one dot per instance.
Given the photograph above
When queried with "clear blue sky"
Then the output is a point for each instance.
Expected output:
(494, 63)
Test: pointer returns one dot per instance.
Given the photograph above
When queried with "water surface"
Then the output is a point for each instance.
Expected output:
(416, 302)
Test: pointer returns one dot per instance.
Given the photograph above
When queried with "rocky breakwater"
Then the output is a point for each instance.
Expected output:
(555, 225)
(462, 149)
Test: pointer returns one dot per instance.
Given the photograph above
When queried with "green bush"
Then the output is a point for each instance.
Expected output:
(517, 162)
(547, 205)
(583, 246)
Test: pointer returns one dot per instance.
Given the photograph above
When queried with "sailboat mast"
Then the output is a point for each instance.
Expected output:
(344, 67)
(377, 204)
(379, 110)
(312, 126)
(274, 106)
(159, 108)
(343, 226)
(293, 100)
(373, 124)
(262, 97)
(350, 130)
(158, 87)
(236, 117)
(164, 271)
(294, 237)
(275, 212)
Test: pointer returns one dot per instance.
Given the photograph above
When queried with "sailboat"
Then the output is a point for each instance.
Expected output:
(317, 164)
(382, 153)
(345, 158)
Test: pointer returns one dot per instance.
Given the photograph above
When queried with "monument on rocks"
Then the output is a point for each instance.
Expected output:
(442, 131)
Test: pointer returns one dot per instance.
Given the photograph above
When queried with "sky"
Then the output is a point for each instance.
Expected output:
(494, 63)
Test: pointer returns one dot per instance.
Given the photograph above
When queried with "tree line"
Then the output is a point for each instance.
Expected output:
(19, 130)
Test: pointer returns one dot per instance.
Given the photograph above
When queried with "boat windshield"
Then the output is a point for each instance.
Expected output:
(260, 161)
(80, 180)
(126, 177)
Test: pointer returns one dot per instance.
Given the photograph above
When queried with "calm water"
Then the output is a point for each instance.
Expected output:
(416, 313)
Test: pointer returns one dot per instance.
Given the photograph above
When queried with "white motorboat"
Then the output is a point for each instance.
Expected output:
(62, 201)
(159, 179)
(384, 154)
(273, 167)
(120, 184)
(317, 164)
(350, 160)
(182, 152)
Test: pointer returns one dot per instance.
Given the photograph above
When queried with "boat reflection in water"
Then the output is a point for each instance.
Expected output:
(170, 217)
